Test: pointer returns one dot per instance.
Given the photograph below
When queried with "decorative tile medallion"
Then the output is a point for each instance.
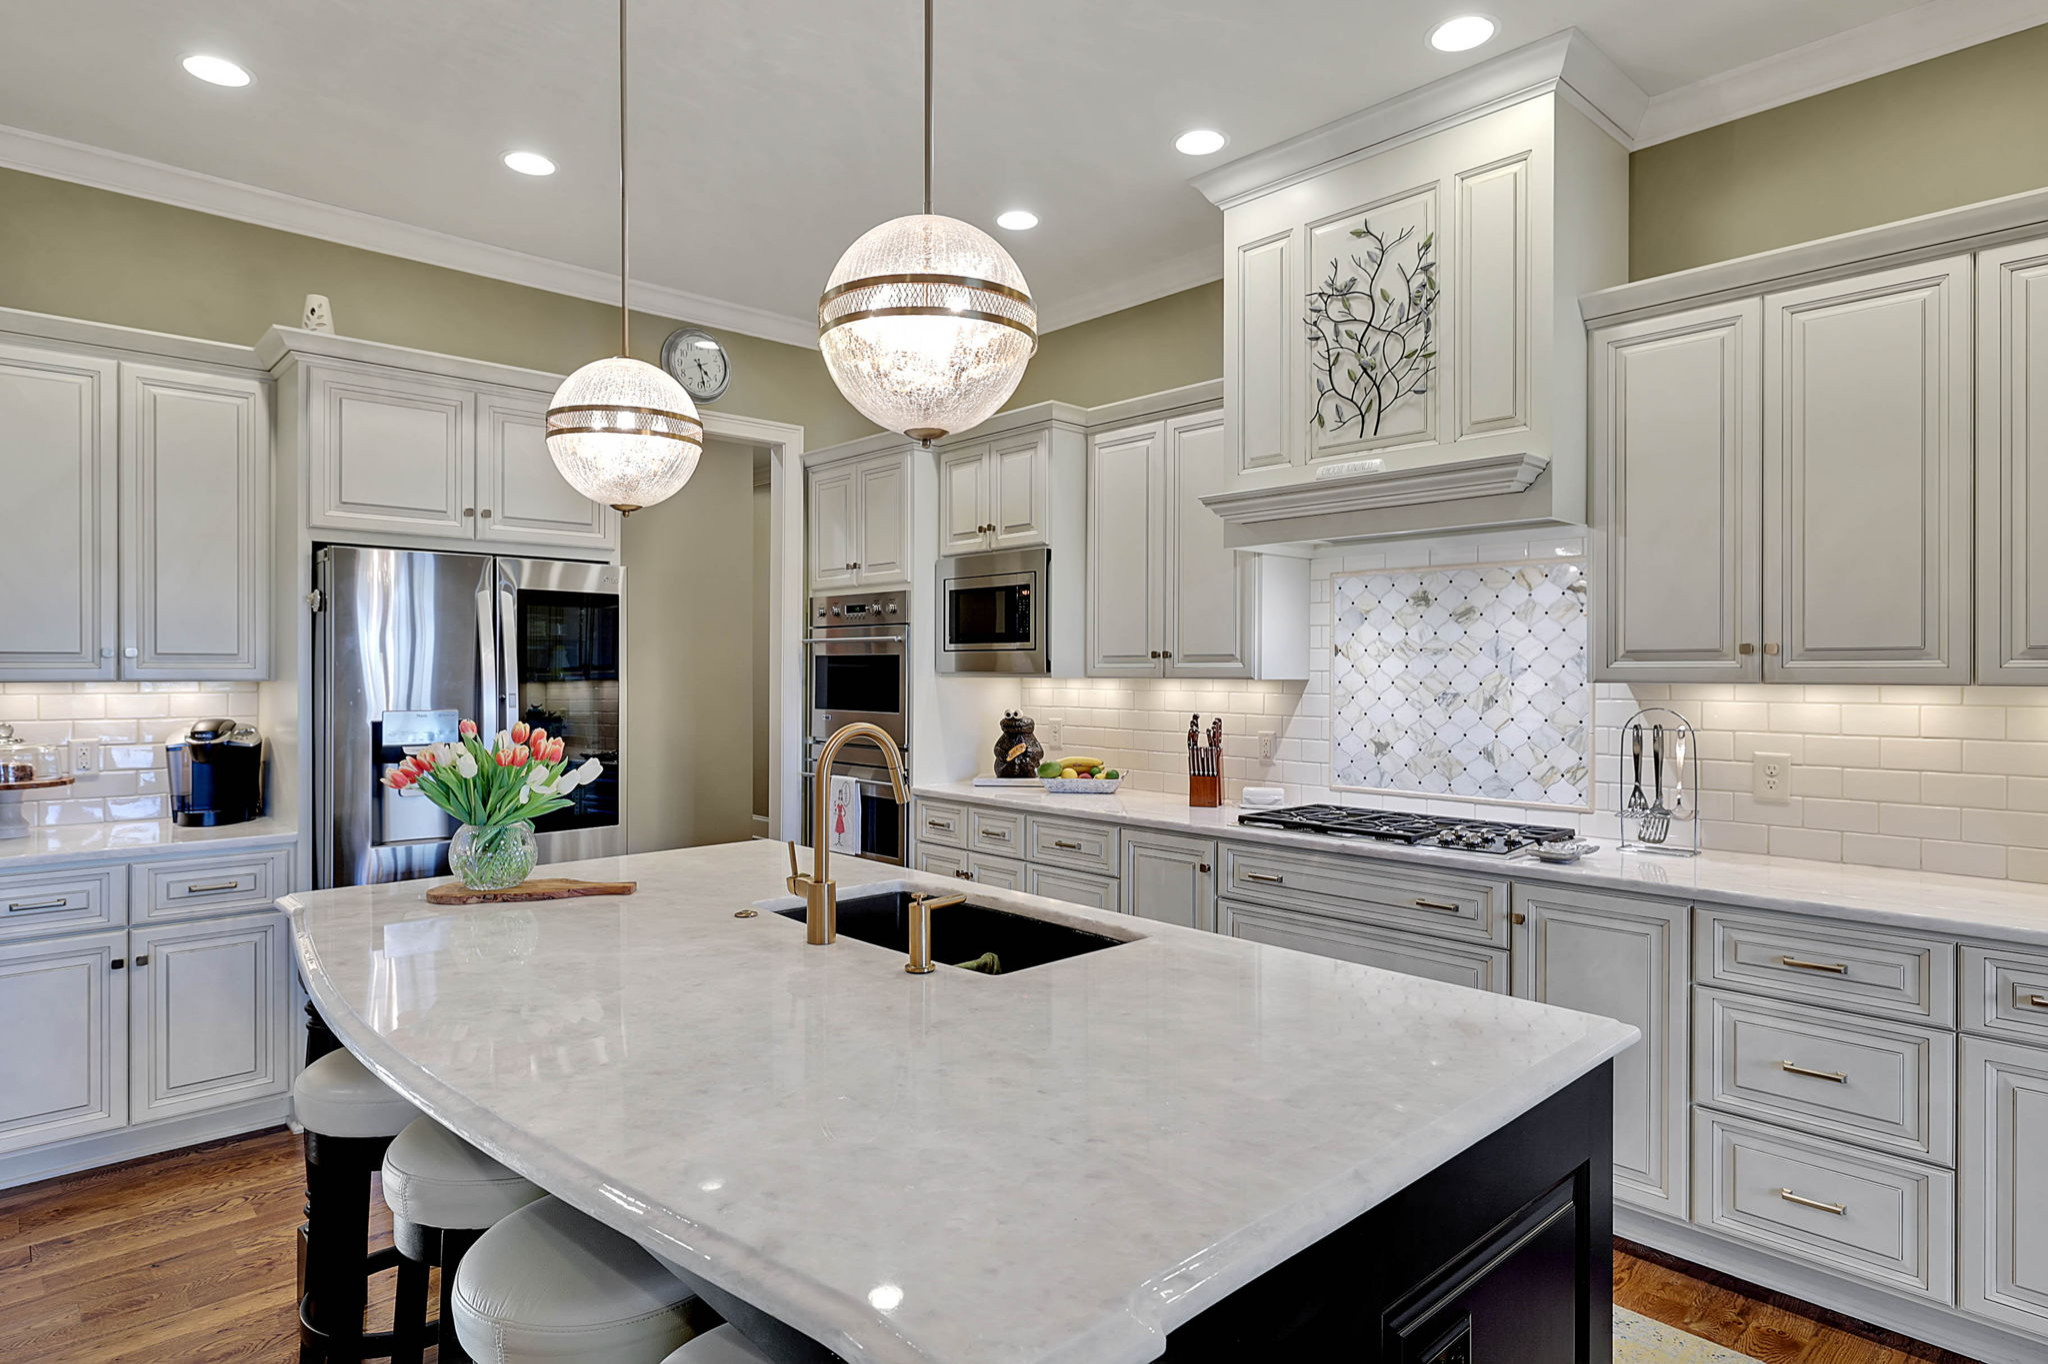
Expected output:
(1467, 683)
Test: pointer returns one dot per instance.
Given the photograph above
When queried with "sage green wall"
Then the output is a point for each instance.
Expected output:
(1954, 130)
(83, 252)
(1155, 346)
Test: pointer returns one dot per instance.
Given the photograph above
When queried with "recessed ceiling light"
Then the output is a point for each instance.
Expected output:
(529, 163)
(1199, 142)
(216, 70)
(1461, 34)
(1017, 220)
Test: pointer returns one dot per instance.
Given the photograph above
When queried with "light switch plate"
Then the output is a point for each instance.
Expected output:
(1053, 729)
(1771, 777)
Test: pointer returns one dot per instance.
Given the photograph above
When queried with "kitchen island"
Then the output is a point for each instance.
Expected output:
(1179, 1146)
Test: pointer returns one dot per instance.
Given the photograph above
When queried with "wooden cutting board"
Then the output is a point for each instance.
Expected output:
(546, 888)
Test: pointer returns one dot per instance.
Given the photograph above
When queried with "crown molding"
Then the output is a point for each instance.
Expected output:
(1172, 276)
(1897, 40)
(1566, 61)
(80, 164)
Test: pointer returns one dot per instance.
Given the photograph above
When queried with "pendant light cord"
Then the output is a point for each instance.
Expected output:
(625, 310)
(927, 107)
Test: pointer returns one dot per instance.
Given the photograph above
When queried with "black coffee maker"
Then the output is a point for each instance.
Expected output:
(216, 773)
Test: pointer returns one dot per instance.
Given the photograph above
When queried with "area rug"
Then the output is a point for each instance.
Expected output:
(1639, 1340)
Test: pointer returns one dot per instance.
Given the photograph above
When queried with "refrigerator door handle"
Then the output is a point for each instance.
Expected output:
(487, 652)
(508, 642)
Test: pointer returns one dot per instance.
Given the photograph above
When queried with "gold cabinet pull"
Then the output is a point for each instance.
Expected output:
(1066, 843)
(2037, 1001)
(943, 825)
(1745, 648)
(1261, 876)
(24, 906)
(1771, 649)
(1437, 905)
(213, 888)
(1001, 835)
(1838, 1209)
(1833, 968)
(1794, 1068)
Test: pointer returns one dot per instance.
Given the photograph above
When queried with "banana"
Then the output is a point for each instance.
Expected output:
(1082, 762)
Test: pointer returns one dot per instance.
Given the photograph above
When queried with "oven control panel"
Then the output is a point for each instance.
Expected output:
(866, 608)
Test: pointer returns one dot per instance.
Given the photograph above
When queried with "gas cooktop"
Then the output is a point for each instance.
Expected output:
(1422, 831)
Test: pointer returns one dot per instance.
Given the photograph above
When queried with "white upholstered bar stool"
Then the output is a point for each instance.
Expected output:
(349, 1117)
(547, 1283)
(443, 1194)
(725, 1345)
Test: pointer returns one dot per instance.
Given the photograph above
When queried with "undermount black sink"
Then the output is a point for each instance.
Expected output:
(964, 933)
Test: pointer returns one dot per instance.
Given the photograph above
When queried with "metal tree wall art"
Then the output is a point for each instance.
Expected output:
(1372, 332)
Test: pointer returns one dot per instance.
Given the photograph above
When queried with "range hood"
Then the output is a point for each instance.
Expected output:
(1403, 353)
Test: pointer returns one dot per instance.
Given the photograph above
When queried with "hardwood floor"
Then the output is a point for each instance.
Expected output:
(187, 1258)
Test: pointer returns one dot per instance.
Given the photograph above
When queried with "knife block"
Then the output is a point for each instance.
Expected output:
(1205, 778)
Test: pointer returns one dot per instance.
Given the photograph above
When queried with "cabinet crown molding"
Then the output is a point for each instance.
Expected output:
(1483, 476)
(1566, 62)
(282, 344)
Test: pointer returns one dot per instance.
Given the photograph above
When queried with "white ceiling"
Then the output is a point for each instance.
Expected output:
(770, 133)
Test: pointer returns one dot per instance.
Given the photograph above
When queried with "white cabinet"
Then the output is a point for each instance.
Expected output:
(141, 511)
(398, 453)
(195, 516)
(996, 494)
(64, 1004)
(209, 1021)
(2012, 464)
(1170, 878)
(1678, 467)
(58, 463)
(1411, 954)
(2002, 1231)
(1867, 392)
(860, 522)
(1627, 958)
(1166, 596)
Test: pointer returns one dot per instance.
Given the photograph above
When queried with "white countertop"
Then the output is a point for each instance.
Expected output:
(1054, 1166)
(128, 840)
(2011, 911)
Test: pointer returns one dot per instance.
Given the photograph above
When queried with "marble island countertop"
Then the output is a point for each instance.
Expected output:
(127, 840)
(2009, 911)
(1054, 1166)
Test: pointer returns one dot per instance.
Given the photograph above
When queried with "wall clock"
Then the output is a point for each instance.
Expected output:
(697, 361)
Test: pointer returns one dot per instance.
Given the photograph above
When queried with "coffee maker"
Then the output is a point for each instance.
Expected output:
(216, 770)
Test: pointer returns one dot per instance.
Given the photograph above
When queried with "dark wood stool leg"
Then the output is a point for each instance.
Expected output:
(455, 1243)
(338, 1265)
(409, 1314)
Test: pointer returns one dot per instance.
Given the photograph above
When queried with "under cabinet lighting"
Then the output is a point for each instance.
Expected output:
(529, 163)
(1199, 142)
(1017, 220)
(216, 70)
(1462, 34)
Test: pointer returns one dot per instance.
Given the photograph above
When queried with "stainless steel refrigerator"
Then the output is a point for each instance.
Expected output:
(408, 644)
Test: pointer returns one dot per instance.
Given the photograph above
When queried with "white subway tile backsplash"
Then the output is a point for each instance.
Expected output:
(125, 724)
(1877, 851)
(1863, 783)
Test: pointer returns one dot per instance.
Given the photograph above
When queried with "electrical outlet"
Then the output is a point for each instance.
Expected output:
(85, 757)
(1053, 729)
(1771, 777)
(1265, 745)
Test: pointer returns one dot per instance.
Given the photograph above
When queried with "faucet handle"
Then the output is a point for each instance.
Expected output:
(792, 857)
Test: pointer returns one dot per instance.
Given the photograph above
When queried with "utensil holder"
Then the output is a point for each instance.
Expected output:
(1659, 813)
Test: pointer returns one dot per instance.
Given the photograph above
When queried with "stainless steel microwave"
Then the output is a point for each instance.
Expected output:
(992, 612)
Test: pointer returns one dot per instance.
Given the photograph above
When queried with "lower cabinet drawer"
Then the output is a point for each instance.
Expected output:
(1889, 1085)
(2005, 993)
(1003, 873)
(1424, 900)
(1411, 954)
(1081, 847)
(1880, 1218)
(187, 886)
(996, 832)
(39, 902)
(1824, 961)
(938, 822)
(1075, 887)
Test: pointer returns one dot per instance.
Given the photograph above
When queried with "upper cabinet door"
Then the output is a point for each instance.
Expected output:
(1209, 620)
(521, 496)
(1019, 475)
(963, 500)
(2012, 464)
(1126, 520)
(195, 501)
(1867, 478)
(1677, 485)
(832, 528)
(881, 500)
(57, 462)
(390, 452)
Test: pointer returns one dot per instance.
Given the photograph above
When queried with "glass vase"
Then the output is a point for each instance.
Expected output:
(493, 856)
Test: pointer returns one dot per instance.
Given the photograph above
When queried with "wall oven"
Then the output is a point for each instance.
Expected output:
(884, 825)
(858, 651)
(992, 612)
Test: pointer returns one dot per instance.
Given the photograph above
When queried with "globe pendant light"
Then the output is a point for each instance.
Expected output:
(926, 324)
(620, 430)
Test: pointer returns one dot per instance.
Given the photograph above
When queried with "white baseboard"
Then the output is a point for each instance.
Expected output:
(129, 1143)
(1923, 1320)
